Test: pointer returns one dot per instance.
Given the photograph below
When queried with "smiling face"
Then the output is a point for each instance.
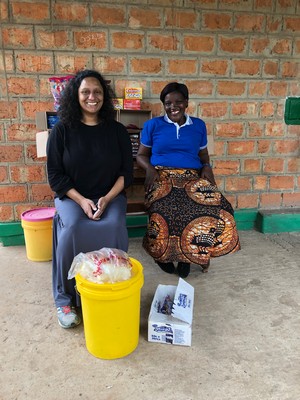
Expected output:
(175, 104)
(90, 97)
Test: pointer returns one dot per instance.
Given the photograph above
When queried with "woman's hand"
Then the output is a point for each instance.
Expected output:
(101, 206)
(89, 207)
(207, 173)
(151, 177)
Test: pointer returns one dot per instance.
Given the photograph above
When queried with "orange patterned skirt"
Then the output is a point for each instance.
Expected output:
(189, 219)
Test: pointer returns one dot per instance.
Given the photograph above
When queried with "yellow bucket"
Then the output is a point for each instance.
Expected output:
(37, 226)
(111, 314)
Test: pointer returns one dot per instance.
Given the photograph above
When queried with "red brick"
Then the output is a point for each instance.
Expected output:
(215, 21)
(247, 200)
(244, 147)
(34, 63)
(252, 165)
(246, 108)
(231, 88)
(292, 24)
(246, 67)
(278, 89)
(24, 11)
(201, 44)
(257, 89)
(260, 182)
(232, 44)
(297, 46)
(286, 146)
(3, 174)
(271, 68)
(215, 67)
(53, 39)
(232, 198)
(41, 192)
(281, 182)
(219, 148)
(255, 129)
(290, 69)
(127, 41)
(228, 129)
(6, 213)
(213, 109)
(29, 108)
(66, 63)
(293, 165)
(90, 40)
(274, 23)
(110, 64)
(227, 167)
(144, 18)
(263, 4)
(267, 109)
(146, 65)
(200, 87)
(28, 173)
(274, 129)
(235, 5)
(273, 165)
(17, 37)
(108, 15)
(273, 200)
(259, 45)
(249, 23)
(237, 184)
(78, 13)
(163, 42)
(8, 109)
(155, 108)
(181, 19)
(291, 199)
(11, 153)
(6, 62)
(22, 86)
(182, 66)
(263, 146)
(282, 47)
(13, 193)
(21, 132)
(4, 11)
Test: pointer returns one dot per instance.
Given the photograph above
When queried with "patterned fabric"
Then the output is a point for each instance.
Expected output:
(189, 219)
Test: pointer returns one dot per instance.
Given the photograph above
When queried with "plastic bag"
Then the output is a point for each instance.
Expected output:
(99, 266)
(57, 85)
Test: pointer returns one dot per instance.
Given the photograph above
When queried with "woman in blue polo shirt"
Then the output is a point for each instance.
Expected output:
(189, 219)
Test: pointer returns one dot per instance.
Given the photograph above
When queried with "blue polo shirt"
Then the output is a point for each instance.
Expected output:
(173, 145)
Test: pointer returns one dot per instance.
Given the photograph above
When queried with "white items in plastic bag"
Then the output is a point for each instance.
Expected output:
(100, 266)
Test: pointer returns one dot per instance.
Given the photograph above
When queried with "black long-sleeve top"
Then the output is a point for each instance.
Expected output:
(88, 158)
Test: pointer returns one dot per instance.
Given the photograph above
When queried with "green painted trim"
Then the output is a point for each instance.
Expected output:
(11, 234)
(265, 221)
(245, 219)
(275, 221)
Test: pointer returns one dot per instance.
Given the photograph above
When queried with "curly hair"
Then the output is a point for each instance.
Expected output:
(69, 111)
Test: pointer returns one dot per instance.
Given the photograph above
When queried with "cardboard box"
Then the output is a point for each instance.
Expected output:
(118, 104)
(175, 328)
(41, 143)
(131, 104)
(133, 93)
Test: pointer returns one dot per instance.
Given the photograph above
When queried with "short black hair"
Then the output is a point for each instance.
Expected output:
(174, 87)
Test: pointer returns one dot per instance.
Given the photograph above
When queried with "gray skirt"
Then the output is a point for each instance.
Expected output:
(74, 232)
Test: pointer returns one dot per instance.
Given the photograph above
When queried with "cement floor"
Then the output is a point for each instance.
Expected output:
(245, 343)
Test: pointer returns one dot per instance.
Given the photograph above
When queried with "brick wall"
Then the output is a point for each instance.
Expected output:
(240, 59)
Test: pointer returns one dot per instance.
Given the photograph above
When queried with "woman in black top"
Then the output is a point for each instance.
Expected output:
(89, 164)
